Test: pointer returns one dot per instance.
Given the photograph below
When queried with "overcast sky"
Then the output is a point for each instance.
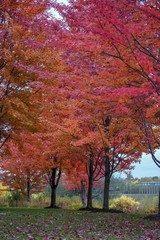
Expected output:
(147, 168)
(63, 1)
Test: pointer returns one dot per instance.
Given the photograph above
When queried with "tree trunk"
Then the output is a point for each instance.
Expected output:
(106, 194)
(106, 184)
(83, 193)
(107, 167)
(54, 180)
(28, 190)
(53, 198)
(90, 183)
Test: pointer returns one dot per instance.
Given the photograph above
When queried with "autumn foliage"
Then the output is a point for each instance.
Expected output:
(79, 95)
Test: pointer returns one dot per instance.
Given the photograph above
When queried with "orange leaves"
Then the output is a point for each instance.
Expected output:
(22, 63)
(89, 139)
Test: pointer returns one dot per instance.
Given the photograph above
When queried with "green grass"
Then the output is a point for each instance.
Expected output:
(46, 224)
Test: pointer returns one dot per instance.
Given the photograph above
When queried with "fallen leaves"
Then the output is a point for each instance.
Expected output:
(47, 224)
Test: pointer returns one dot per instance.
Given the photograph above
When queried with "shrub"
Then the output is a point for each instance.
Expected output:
(69, 202)
(39, 200)
(149, 205)
(13, 199)
(97, 203)
(125, 204)
(3, 196)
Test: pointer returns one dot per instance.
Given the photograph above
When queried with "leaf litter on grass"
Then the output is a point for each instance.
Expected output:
(42, 224)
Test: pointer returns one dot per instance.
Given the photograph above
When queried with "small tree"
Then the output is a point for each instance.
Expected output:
(54, 178)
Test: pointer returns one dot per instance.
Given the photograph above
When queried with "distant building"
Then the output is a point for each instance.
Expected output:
(149, 187)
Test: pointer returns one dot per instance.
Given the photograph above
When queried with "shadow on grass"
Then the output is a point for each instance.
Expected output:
(153, 217)
(111, 210)
(55, 207)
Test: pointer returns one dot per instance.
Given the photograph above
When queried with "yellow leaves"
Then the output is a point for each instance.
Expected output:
(3, 189)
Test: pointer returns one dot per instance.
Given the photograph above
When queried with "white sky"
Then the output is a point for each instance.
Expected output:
(55, 13)
(147, 168)
(62, 1)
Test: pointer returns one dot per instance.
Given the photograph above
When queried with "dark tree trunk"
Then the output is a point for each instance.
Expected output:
(107, 167)
(28, 190)
(90, 183)
(53, 198)
(54, 180)
(106, 184)
(83, 193)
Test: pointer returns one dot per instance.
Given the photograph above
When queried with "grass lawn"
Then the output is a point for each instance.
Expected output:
(46, 224)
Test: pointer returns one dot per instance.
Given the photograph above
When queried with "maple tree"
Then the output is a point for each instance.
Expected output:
(18, 23)
(27, 64)
(89, 62)
(76, 179)
(55, 145)
(122, 152)
(20, 166)
(112, 36)
(53, 176)
(80, 85)
(89, 134)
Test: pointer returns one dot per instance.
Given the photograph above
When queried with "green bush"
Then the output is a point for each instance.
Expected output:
(125, 204)
(14, 198)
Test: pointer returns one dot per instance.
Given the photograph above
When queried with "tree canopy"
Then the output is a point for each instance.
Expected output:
(79, 96)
